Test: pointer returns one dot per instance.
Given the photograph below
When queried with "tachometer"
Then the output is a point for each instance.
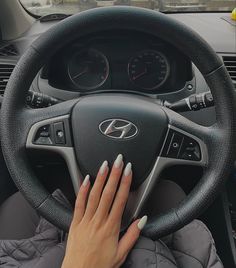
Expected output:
(149, 69)
(88, 69)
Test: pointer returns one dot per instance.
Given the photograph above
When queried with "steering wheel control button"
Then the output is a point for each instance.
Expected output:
(43, 136)
(175, 145)
(190, 150)
(180, 146)
(59, 133)
(55, 132)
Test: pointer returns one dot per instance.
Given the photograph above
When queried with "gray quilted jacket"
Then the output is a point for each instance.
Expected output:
(190, 247)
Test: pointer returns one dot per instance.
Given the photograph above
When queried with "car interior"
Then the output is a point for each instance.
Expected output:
(153, 80)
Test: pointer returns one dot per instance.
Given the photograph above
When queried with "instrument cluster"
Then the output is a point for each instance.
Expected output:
(89, 69)
(124, 62)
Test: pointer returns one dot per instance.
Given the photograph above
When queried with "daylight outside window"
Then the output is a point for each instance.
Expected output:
(44, 7)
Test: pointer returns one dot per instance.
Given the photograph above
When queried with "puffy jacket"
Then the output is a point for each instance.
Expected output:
(45, 249)
(190, 247)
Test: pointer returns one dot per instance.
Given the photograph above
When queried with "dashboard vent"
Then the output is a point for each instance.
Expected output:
(230, 64)
(5, 72)
(8, 50)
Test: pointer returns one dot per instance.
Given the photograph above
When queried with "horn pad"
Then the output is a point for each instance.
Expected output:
(104, 126)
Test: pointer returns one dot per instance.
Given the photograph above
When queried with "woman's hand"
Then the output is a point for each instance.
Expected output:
(93, 240)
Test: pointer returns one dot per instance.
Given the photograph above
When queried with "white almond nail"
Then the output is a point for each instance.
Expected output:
(103, 167)
(128, 169)
(118, 161)
(142, 222)
(86, 180)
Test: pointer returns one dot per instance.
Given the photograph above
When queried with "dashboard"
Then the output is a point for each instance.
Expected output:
(120, 61)
(126, 62)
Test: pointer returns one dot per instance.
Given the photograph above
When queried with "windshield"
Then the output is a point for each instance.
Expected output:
(45, 7)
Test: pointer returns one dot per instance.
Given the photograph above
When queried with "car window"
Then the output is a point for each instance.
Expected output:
(45, 7)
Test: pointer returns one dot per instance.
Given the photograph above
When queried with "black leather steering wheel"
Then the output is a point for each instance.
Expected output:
(79, 129)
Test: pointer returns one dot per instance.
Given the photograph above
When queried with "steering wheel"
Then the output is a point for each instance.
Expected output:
(87, 130)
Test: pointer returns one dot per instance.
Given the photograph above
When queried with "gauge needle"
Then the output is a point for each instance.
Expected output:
(81, 73)
(140, 74)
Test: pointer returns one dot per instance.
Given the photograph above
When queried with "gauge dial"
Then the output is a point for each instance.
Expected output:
(148, 70)
(88, 69)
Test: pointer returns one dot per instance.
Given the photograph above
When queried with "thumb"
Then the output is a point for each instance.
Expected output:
(129, 239)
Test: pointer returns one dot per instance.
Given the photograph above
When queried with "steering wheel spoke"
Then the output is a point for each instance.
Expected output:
(54, 134)
(185, 143)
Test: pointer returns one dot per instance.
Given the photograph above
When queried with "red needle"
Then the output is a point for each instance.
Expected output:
(79, 74)
(141, 74)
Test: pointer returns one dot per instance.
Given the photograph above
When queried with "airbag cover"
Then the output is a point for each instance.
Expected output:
(141, 142)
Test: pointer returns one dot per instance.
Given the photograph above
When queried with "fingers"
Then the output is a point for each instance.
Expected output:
(95, 193)
(129, 239)
(100, 199)
(121, 196)
(81, 199)
(110, 188)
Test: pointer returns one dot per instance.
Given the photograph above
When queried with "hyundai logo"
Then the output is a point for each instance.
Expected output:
(118, 129)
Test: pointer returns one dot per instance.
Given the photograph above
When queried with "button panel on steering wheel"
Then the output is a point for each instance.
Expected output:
(54, 134)
(181, 146)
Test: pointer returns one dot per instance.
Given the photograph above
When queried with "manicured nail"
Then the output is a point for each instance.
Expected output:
(118, 161)
(103, 167)
(86, 180)
(128, 169)
(142, 222)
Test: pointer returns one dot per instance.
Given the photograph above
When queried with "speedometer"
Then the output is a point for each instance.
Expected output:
(149, 69)
(88, 69)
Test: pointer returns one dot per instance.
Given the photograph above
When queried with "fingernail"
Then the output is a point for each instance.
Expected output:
(142, 222)
(128, 169)
(86, 180)
(103, 167)
(118, 161)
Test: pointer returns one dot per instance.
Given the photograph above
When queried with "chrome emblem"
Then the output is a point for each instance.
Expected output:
(118, 129)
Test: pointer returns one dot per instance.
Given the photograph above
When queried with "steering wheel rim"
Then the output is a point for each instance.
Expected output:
(17, 120)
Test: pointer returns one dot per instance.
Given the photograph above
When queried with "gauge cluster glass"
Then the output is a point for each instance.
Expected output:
(88, 69)
(119, 61)
(148, 70)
